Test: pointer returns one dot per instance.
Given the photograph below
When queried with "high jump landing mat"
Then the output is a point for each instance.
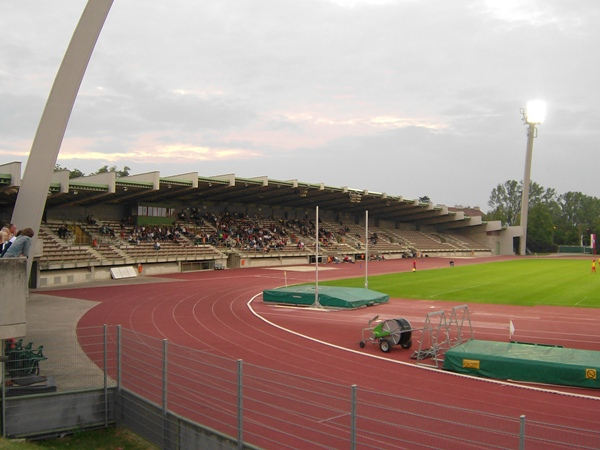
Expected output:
(329, 296)
(525, 362)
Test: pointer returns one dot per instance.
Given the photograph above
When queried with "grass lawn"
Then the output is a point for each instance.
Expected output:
(524, 282)
(104, 439)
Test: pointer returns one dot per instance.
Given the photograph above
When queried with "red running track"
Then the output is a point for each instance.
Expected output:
(198, 310)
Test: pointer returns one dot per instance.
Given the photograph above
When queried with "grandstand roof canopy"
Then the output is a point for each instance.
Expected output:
(195, 190)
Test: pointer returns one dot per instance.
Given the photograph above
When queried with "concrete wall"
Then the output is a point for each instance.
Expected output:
(13, 279)
(87, 274)
(59, 413)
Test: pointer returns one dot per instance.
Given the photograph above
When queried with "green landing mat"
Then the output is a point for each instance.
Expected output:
(329, 296)
(525, 362)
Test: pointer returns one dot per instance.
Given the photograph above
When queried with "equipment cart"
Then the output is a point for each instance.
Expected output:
(387, 333)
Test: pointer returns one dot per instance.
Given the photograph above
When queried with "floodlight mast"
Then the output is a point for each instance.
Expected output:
(533, 114)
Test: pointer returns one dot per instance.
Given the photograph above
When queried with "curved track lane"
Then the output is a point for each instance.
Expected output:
(213, 312)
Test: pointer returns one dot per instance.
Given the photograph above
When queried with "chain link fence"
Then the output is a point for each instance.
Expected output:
(181, 398)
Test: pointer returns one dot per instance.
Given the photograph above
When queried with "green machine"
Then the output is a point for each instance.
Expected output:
(387, 333)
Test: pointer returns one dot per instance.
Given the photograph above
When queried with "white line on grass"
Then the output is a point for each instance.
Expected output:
(458, 290)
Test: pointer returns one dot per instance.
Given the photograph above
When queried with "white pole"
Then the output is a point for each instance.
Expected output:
(525, 196)
(367, 249)
(317, 304)
(29, 207)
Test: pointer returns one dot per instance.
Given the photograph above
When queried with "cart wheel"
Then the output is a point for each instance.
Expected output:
(406, 344)
(362, 344)
(385, 345)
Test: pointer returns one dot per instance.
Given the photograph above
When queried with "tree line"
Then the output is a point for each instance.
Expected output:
(76, 173)
(553, 220)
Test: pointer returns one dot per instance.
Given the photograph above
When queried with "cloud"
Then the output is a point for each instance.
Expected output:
(406, 97)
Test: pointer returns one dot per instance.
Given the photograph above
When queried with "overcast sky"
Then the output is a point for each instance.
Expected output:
(407, 97)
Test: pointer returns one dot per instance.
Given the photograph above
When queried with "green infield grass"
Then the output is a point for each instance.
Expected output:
(554, 282)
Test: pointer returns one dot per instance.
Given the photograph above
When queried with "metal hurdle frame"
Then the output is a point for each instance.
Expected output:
(440, 334)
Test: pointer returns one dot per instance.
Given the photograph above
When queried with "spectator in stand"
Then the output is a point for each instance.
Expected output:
(21, 246)
(3, 237)
(12, 235)
(63, 231)
(8, 237)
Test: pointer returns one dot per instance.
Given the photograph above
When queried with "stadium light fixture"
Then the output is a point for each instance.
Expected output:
(533, 114)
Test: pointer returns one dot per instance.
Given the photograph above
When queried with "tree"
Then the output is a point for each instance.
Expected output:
(120, 173)
(538, 194)
(424, 199)
(506, 202)
(124, 172)
(540, 229)
(75, 173)
(577, 216)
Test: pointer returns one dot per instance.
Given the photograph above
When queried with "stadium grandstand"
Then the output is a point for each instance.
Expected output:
(190, 222)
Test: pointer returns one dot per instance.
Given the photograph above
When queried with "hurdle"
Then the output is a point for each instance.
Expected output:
(441, 334)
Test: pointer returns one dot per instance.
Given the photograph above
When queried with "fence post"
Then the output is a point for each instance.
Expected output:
(353, 417)
(118, 411)
(240, 407)
(522, 433)
(3, 389)
(105, 369)
(164, 397)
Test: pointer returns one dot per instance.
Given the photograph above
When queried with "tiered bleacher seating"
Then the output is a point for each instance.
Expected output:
(424, 243)
(58, 254)
(109, 249)
(109, 254)
(202, 241)
(169, 251)
(465, 243)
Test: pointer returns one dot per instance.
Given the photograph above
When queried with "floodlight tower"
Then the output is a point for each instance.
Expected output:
(533, 114)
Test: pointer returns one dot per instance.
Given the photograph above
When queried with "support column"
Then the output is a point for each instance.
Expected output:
(33, 192)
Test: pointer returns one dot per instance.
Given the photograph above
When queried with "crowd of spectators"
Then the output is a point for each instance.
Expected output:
(155, 233)
(231, 230)
(240, 231)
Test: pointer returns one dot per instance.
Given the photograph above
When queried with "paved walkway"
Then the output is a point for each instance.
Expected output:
(52, 322)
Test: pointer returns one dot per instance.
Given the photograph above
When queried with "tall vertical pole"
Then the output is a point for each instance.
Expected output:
(526, 181)
(240, 406)
(353, 417)
(119, 377)
(105, 367)
(33, 192)
(3, 388)
(522, 432)
(317, 303)
(165, 406)
(367, 249)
